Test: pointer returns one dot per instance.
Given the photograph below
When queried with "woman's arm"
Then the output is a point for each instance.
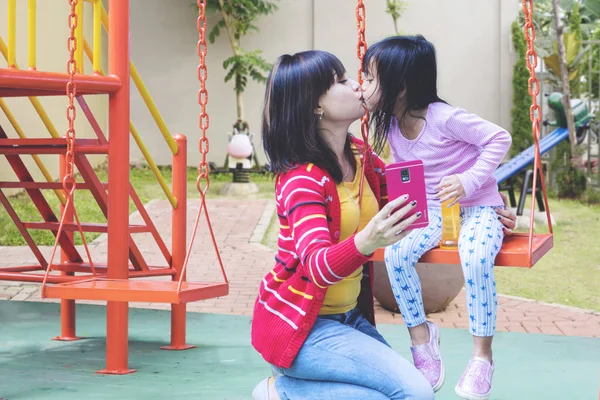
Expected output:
(303, 196)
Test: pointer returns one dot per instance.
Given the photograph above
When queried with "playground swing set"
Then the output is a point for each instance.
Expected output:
(74, 279)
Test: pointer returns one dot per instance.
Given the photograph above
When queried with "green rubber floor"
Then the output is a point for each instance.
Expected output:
(224, 365)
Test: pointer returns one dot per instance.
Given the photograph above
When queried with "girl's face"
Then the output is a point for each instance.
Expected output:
(370, 88)
(342, 102)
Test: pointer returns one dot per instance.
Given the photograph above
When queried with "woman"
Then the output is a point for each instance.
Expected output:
(314, 319)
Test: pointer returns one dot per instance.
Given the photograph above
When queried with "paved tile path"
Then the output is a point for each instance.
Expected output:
(239, 227)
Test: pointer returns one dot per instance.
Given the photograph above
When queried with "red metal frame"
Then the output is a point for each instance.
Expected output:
(178, 242)
(109, 282)
(19, 83)
(67, 307)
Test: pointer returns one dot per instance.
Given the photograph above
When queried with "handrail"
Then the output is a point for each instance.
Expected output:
(100, 19)
(138, 140)
(12, 33)
(139, 83)
(45, 119)
(161, 180)
(36, 158)
(31, 34)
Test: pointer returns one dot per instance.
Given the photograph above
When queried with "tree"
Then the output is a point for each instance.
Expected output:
(521, 124)
(238, 18)
(564, 76)
(575, 30)
(395, 8)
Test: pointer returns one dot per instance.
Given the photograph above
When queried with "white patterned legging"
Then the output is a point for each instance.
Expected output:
(479, 242)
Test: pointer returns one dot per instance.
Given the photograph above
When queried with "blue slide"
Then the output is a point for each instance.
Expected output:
(525, 158)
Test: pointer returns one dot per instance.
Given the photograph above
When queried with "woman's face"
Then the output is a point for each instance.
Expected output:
(370, 88)
(342, 102)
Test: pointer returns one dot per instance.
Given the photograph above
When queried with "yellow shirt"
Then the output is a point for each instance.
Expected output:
(343, 296)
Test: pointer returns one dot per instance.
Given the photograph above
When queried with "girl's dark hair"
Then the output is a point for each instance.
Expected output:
(289, 125)
(402, 63)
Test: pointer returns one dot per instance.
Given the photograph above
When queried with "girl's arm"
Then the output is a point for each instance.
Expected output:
(492, 141)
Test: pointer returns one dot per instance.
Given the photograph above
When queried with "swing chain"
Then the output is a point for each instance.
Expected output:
(204, 121)
(69, 178)
(361, 49)
(535, 112)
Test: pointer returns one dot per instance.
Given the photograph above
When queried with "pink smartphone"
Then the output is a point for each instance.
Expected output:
(408, 177)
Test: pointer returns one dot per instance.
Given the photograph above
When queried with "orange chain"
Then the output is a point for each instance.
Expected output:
(69, 182)
(361, 49)
(202, 93)
(535, 112)
(71, 93)
(535, 115)
(203, 144)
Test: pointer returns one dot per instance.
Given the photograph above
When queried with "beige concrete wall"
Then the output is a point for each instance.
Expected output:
(471, 37)
(52, 55)
(164, 50)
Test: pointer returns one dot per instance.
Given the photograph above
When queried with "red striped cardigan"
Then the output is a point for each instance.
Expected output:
(310, 258)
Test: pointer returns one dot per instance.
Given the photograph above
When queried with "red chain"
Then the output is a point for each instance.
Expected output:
(361, 49)
(535, 112)
(71, 93)
(203, 93)
(69, 182)
(203, 166)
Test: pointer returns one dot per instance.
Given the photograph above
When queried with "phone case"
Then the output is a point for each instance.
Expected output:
(408, 177)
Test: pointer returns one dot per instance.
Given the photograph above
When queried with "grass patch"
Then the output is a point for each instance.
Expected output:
(270, 238)
(145, 185)
(570, 273)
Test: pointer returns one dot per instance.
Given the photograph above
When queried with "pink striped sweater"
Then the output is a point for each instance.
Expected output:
(453, 141)
(309, 260)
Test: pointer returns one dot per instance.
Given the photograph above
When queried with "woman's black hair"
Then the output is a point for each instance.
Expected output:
(402, 63)
(289, 124)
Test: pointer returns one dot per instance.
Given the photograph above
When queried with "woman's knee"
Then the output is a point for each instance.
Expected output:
(418, 389)
(408, 382)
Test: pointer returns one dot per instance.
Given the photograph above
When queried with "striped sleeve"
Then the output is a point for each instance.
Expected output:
(302, 195)
(492, 141)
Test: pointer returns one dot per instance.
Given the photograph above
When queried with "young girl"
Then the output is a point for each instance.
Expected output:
(460, 152)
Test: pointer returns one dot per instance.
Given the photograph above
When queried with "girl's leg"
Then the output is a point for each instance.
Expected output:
(400, 260)
(479, 243)
(338, 361)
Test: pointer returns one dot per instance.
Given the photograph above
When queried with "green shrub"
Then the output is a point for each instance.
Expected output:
(521, 124)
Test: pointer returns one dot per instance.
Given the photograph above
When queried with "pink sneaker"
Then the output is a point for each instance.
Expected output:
(476, 382)
(428, 360)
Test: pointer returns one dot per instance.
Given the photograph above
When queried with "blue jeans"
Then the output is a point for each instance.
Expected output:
(344, 357)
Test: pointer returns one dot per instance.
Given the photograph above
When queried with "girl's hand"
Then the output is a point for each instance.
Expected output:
(386, 227)
(450, 188)
(507, 217)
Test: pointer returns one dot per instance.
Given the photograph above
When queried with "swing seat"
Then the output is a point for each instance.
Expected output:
(514, 252)
(137, 291)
